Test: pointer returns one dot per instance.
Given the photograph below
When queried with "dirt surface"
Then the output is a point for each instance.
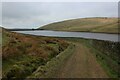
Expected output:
(82, 64)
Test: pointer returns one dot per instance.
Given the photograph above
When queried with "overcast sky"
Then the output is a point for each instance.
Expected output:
(36, 14)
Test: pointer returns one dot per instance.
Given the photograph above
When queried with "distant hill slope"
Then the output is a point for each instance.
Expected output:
(102, 24)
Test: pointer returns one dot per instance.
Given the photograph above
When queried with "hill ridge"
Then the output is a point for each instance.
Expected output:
(96, 24)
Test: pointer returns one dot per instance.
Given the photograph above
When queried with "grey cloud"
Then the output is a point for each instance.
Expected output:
(34, 14)
(21, 10)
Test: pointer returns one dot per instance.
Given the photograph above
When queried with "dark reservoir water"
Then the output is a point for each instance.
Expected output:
(88, 35)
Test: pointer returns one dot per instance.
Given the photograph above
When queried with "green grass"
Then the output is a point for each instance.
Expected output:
(22, 69)
(5, 39)
(105, 25)
(7, 64)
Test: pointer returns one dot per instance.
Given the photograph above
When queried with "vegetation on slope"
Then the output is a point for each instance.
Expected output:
(107, 56)
(23, 54)
(50, 70)
(103, 24)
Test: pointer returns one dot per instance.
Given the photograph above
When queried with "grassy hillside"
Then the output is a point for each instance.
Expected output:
(23, 54)
(107, 25)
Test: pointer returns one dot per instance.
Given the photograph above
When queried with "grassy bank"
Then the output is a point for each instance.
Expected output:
(26, 56)
(110, 63)
(107, 56)
(100, 24)
(23, 54)
(50, 69)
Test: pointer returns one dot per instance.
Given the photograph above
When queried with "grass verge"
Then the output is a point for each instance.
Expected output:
(49, 70)
(105, 61)
(102, 60)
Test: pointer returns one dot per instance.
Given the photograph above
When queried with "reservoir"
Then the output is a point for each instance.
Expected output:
(87, 35)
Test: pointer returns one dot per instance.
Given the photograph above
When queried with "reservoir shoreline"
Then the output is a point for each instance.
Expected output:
(87, 35)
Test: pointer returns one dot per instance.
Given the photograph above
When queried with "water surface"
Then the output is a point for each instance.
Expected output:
(88, 35)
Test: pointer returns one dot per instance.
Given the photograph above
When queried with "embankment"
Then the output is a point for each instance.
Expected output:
(106, 52)
(50, 69)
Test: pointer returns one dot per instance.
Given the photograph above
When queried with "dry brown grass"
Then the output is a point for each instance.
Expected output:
(19, 48)
(26, 44)
(86, 24)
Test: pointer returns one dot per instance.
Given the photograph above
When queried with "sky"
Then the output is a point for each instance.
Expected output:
(37, 14)
(59, 0)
